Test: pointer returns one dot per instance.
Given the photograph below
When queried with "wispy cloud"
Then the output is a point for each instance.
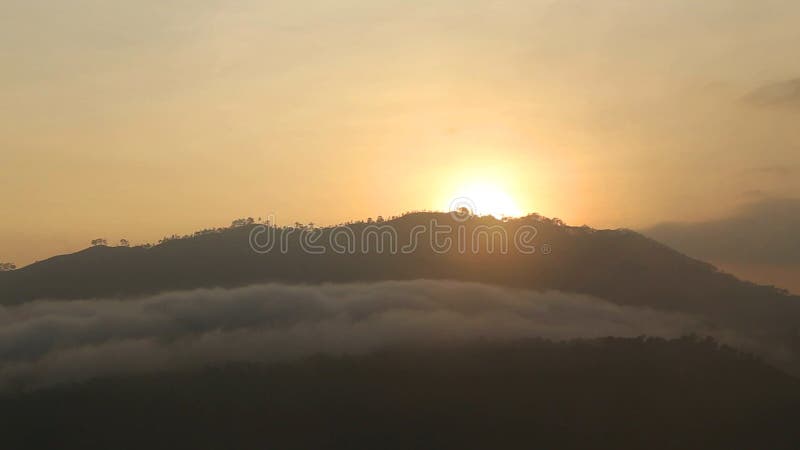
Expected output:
(785, 94)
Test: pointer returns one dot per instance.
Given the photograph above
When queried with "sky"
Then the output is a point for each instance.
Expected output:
(140, 119)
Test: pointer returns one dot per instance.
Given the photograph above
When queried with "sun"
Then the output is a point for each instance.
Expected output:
(485, 199)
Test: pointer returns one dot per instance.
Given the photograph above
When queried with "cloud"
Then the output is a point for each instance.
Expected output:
(759, 242)
(48, 342)
(763, 232)
(785, 94)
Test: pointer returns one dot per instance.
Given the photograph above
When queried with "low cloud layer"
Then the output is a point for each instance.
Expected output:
(49, 342)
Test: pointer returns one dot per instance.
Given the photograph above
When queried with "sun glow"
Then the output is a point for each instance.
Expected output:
(485, 199)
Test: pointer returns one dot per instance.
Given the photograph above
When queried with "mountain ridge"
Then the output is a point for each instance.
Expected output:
(620, 266)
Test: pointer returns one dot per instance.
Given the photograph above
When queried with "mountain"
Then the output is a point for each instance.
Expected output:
(620, 266)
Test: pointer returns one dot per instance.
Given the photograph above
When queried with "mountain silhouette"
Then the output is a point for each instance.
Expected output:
(472, 392)
(620, 266)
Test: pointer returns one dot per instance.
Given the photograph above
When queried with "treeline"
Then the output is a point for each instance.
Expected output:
(242, 222)
(613, 393)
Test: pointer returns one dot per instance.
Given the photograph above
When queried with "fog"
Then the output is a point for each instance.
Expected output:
(49, 342)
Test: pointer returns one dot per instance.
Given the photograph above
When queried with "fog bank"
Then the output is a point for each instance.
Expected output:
(48, 342)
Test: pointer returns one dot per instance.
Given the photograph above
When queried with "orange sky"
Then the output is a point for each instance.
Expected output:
(148, 118)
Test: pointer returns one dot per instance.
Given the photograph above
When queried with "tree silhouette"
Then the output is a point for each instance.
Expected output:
(7, 267)
(124, 243)
(242, 222)
(99, 241)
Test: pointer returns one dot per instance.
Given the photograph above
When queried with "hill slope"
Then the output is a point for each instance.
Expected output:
(617, 265)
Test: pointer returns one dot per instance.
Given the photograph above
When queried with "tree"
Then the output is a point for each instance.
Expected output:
(166, 239)
(242, 222)
(124, 243)
(7, 267)
(99, 241)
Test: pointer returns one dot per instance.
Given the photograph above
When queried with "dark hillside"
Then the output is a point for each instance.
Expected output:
(601, 394)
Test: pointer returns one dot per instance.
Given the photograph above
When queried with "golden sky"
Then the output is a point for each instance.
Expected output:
(139, 119)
